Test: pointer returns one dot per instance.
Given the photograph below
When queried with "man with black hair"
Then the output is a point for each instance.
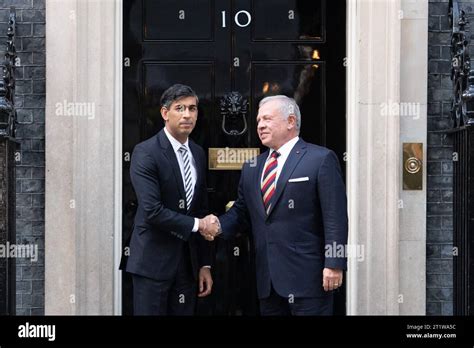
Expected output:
(168, 255)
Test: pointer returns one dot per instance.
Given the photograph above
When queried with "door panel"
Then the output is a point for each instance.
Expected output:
(158, 76)
(256, 48)
(304, 82)
(295, 21)
(178, 20)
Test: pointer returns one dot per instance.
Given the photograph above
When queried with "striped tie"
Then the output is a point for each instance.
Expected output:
(268, 183)
(188, 182)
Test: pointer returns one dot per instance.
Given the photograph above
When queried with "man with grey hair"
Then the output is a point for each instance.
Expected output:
(295, 201)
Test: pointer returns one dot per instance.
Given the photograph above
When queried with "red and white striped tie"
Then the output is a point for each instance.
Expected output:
(269, 178)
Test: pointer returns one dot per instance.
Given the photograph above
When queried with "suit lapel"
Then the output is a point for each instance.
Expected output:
(169, 153)
(291, 162)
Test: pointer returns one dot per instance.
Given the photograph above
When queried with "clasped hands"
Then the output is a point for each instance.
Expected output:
(209, 227)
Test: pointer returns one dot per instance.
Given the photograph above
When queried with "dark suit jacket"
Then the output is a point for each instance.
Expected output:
(306, 216)
(162, 222)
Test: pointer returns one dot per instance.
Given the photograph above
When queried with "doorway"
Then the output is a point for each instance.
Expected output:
(256, 48)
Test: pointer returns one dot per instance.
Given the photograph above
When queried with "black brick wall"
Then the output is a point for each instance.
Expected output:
(439, 285)
(30, 103)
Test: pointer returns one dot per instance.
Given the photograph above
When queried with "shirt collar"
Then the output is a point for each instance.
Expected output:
(286, 148)
(175, 143)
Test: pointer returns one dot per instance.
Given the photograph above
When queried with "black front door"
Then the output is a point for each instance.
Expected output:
(256, 48)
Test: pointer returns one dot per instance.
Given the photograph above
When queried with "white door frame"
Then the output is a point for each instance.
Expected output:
(351, 79)
(118, 134)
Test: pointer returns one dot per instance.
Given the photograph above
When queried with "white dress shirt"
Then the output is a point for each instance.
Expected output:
(176, 146)
(284, 151)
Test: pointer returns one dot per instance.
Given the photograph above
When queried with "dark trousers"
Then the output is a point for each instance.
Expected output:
(175, 296)
(277, 305)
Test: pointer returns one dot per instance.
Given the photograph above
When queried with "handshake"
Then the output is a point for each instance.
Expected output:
(210, 227)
